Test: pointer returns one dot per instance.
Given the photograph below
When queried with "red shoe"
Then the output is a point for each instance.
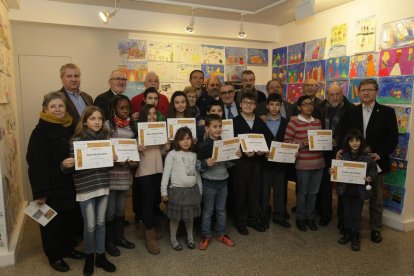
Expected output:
(203, 243)
(226, 240)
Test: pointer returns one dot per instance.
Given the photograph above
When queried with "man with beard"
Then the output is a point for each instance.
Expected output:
(212, 93)
(248, 81)
(310, 88)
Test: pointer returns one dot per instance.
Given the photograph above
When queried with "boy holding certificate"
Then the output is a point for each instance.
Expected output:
(274, 172)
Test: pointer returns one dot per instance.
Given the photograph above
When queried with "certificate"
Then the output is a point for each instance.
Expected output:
(227, 131)
(152, 133)
(93, 154)
(283, 152)
(125, 149)
(175, 123)
(348, 171)
(253, 142)
(224, 150)
(43, 214)
(320, 139)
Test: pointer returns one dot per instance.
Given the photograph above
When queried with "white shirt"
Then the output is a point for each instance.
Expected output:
(303, 119)
(366, 115)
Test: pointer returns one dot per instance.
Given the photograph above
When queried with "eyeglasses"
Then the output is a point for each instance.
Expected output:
(307, 105)
(119, 79)
(367, 90)
(248, 102)
(227, 92)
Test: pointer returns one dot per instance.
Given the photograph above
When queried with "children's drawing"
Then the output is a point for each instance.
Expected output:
(279, 56)
(403, 114)
(363, 66)
(5, 61)
(394, 198)
(183, 71)
(236, 56)
(338, 40)
(134, 88)
(160, 51)
(401, 149)
(296, 53)
(296, 72)
(257, 56)
(134, 70)
(167, 89)
(315, 70)
(132, 49)
(166, 71)
(188, 53)
(396, 62)
(342, 83)
(337, 68)
(398, 173)
(315, 49)
(395, 90)
(213, 71)
(322, 90)
(233, 73)
(5, 90)
(4, 38)
(280, 72)
(212, 54)
(294, 91)
(353, 90)
(365, 30)
(397, 34)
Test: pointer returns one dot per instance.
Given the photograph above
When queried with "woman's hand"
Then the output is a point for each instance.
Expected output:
(239, 153)
(68, 163)
(41, 200)
(210, 162)
(164, 198)
(141, 148)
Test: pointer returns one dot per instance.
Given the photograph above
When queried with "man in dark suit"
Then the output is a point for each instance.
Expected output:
(117, 83)
(378, 123)
(76, 100)
(310, 88)
(230, 106)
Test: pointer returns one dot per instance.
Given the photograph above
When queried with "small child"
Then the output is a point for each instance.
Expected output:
(214, 176)
(354, 195)
(184, 191)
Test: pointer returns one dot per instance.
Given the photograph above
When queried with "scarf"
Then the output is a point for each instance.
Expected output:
(121, 123)
(92, 135)
(65, 121)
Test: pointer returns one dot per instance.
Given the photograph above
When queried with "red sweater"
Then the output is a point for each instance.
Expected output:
(163, 105)
(296, 133)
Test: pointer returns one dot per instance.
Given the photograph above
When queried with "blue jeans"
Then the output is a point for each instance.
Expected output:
(116, 204)
(307, 186)
(93, 213)
(214, 195)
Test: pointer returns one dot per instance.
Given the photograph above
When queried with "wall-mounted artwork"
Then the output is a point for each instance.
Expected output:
(315, 49)
(134, 88)
(213, 71)
(342, 83)
(363, 66)
(187, 53)
(365, 31)
(257, 56)
(4, 37)
(394, 198)
(395, 90)
(233, 73)
(337, 68)
(338, 40)
(132, 49)
(183, 71)
(5, 61)
(236, 56)
(401, 149)
(167, 89)
(280, 72)
(353, 90)
(134, 70)
(5, 89)
(294, 91)
(296, 73)
(166, 71)
(315, 70)
(397, 34)
(398, 173)
(396, 62)
(403, 114)
(279, 56)
(212, 54)
(160, 51)
(296, 53)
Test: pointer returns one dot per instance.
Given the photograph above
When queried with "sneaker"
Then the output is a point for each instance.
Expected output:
(203, 245)
(226, 240)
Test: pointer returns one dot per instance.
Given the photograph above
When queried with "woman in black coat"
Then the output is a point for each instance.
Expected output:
(47, 151)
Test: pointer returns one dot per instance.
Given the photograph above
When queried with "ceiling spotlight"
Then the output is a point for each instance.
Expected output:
(242, 33)
(190, 28)
(105, 15)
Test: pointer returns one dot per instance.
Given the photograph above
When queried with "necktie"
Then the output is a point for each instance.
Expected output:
(229, 114)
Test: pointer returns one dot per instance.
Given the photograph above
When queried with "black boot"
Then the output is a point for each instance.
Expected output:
(355, 241)
(119, 234)
(102, 262)
(346, 237)
(89, 264)
(110, 240)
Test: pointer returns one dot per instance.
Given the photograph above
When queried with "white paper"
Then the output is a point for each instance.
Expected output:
(227, 131)
(348, 171)
(175, 123)
(320, 139)
(253, 142)
(93, 154)
(283, 152)
(224, 150)
(125, 149)
(152, 133)
(43, 214)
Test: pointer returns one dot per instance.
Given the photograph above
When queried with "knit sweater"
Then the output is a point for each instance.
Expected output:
(296, 133)
(151, 161)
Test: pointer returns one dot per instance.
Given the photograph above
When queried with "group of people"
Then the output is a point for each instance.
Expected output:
(184, 179)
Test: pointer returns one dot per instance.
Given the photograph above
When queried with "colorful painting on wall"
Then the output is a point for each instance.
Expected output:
(132, 49)
(398, 173)
(365, 31)
(294, 91)
(296, 53)
(403, 114)
(134, 88)
(337, 68)
(353, 90)
(213, 71)
(280, 72)
(188, 53)
(401, 149)
(160, 51)
(183, 71)
(363, 66)
(396, 62)
(315, 70)
(342, 83)
(338, 40)
(397, 34)
(233, 73)
(296, 73)
(134, 70)
(394, 198)
(166, 71)
(315, 49)
(257, 56)
(395, 90)
(279, 56)
(236, 56)
(212, 54)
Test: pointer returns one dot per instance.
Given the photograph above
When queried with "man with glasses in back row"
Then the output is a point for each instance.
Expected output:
(310, 88)
(230, 106)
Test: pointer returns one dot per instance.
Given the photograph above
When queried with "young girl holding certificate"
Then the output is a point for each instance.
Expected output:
(119, 125)
(353, 194)
(181, 187)
(148, 180)
(179, 106)
(92, 189)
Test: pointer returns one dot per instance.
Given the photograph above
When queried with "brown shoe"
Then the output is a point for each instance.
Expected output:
(151, 242)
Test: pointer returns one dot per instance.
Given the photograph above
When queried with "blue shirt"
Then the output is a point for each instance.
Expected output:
(77, 100)
(273, 125)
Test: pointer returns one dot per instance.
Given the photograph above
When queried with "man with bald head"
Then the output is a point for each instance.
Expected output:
(211, 93)
(117, 84)
(310, 88)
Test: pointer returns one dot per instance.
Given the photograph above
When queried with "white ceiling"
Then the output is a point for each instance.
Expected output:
(280, 12)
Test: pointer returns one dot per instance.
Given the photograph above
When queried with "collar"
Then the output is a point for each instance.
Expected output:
(369, 107)
(303, 119)
(270, 118)
(113, 92)
(75, 93)
(254, 117)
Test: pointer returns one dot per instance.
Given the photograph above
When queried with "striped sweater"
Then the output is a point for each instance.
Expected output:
(296, 133)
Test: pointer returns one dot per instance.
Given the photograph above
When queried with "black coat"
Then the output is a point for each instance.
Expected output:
(48, 147)
(103, 101)
(279, 137)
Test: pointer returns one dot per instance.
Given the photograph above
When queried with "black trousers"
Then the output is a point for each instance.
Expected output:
(58, 236)
(149, 189)
(352, 213)
(324, 198)
(136, 200)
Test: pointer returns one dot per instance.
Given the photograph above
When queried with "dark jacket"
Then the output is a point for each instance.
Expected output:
(71, 108)
(279, 137)
(48, 147)
(261, 109)
(103, 101)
